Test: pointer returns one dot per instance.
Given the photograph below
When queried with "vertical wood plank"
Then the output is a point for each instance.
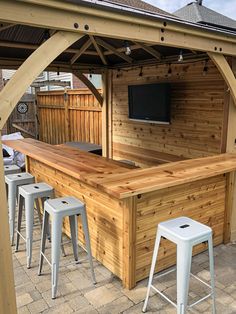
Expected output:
(7, 290)
(129, 244)
(67, 118)
(230, 181)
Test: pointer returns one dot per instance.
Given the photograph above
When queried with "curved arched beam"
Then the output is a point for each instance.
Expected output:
(9, 97)
(226, 71)
(90, 86)
(31, 68)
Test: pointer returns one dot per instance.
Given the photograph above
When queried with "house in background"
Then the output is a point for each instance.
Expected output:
(196, 12)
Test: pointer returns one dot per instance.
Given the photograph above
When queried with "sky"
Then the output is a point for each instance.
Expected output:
(226, 7)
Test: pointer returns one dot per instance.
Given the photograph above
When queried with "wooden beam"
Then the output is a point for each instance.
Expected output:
(99, 51)
(7, 289)
(62, 15)
(81, 51)
(30, 69)
(226, 71)
(150, 50)
(105, 132)
(114, 50)
(230, 181)
(90, 86)
(4, 27)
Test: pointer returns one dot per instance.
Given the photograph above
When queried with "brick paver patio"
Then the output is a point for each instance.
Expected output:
(77, 294)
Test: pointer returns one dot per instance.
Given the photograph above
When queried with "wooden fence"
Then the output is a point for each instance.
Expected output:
(72, 115)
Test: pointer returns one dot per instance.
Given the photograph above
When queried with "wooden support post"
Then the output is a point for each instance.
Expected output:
(230, 179)
(226, 71)
(7, 290)
(129, 244)
(9, 97)
(67, 116)
(105, 131)
(90, 86)
(31, 68)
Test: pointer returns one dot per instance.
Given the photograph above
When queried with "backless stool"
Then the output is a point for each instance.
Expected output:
(29, 194)
(185, 233)
(11, 169)
(58, 209)
(13, 182)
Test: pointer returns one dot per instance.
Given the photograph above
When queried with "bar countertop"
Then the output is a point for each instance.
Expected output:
(118, 179)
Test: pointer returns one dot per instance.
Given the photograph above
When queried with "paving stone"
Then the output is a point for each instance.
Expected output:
(78, 303)
(37, 306)
(59, 309)
(88, 310)
(117, 306)
(103, 295)
(47, 296)
(23, 299)
(23, 310)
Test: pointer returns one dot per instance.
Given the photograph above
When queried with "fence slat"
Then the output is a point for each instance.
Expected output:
(73, 115)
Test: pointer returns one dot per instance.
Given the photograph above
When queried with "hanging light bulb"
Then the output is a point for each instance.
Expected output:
(205, 69)
(181, 57)
(127, 48)
(141, 71)
(169, 73)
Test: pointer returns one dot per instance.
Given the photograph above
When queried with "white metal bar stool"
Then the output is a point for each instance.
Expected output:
(185, 233)
(58, 209)
(13, 182)
(11, 169)
(29, 194)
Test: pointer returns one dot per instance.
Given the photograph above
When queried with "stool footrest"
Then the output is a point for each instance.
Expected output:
(47, 260)
(21, 235)
(164, 296)
(170, 301)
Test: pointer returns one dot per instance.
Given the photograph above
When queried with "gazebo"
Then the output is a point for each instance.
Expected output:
(89, 36)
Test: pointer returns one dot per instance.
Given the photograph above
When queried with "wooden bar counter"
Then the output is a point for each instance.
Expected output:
(125, 205)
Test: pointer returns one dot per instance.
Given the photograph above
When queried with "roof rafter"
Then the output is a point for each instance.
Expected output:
(81, 51)
(99, 51)
(6, 26)
(150, 50)
(114, 50)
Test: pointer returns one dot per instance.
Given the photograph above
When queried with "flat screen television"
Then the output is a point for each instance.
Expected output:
(150, 102)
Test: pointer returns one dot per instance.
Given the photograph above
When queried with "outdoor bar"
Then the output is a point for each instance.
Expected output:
(183, 165)
(125, 205)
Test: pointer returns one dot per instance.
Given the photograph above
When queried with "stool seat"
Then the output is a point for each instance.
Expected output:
(20, 178)
(36, 190)
(10, 169)
(64, 206)
(184, 228)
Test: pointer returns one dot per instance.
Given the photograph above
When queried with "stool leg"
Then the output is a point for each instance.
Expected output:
(38, 211)
(43, 240)
(29, 215)
(87, 241)
(152, 270)
(74, 235)
(56, 243)
(184, 259)
(20, 210)
(12, 209)
(211, 263)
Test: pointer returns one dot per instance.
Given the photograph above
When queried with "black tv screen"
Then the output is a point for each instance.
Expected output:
(150, 102)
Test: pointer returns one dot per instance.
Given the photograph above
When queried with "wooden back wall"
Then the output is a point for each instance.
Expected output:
(72, 115)
(199, 103)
